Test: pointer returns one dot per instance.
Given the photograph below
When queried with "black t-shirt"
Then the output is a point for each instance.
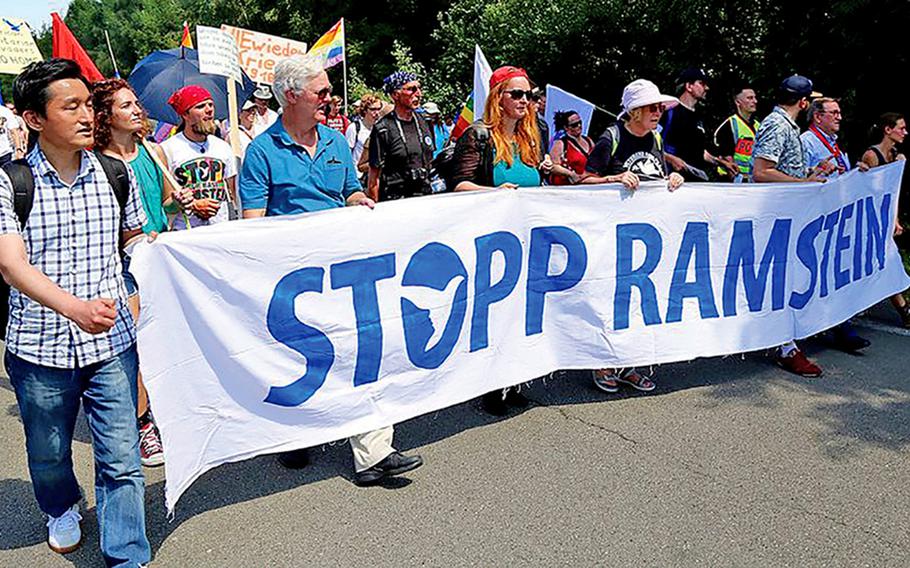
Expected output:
(405, 162)
(684, 135)
(640, 155)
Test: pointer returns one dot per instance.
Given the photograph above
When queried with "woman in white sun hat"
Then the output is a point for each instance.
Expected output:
(629, 152)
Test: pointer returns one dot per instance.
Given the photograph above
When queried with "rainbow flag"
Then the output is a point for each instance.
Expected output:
(465, 118)
(330, 47)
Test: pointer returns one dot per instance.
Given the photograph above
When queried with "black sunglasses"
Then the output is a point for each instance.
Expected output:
(575, 124)
(411, 90)
(323, 93)
(518, 94)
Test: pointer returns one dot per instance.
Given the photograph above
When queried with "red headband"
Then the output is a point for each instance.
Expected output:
(188, 97)
(506, 73)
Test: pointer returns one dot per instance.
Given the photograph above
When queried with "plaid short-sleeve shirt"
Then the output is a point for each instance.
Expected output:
(72, 235)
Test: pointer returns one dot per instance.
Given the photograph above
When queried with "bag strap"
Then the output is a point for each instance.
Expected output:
(23, 182)
(117, 176)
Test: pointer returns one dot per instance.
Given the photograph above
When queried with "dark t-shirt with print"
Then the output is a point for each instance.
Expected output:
(640, 155)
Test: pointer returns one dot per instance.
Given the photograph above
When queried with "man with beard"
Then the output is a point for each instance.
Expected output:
(201, 162)
(401, 144)
(683, 131)
(297, 166)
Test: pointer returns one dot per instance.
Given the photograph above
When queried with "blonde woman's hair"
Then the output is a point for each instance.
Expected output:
(527, 136)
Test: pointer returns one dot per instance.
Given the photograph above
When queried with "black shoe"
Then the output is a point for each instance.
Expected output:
(516, 399)
(395, 463)
(494, 404)
(295, 459)
(845, 338)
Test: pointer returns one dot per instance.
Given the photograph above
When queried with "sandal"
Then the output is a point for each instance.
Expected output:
(605, 380)
(636, 381)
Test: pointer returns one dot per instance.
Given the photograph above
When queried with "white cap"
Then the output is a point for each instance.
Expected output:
(262, 92)
(642, 92)
(430, 108)
(248, 105)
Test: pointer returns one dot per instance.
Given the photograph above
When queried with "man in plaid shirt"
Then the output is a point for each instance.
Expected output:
(70, 335)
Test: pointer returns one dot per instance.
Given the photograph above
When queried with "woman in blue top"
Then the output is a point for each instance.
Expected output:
(503, 150)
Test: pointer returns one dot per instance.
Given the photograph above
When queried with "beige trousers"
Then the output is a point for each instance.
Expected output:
(372, 447)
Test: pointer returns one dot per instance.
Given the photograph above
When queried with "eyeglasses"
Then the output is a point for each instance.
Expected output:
(374, 109)
(653, 107)
(518, 94)
(831, 112)
(324, 92)
(411, 90)
(575, 124)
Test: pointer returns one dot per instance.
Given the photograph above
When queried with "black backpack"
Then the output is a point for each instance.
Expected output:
(23, 183)
(444, 162)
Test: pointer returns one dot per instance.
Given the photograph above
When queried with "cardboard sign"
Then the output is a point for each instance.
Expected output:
(259, 52)
(17, 46)
(218, 53)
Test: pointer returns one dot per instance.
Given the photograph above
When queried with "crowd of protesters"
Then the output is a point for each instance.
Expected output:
(92, 183)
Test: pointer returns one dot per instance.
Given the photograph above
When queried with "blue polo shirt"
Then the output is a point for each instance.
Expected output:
(278, 174)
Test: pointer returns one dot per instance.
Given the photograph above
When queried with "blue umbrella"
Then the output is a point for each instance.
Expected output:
(160, 73)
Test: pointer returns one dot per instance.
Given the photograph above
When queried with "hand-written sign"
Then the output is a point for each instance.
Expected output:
(259, 52)
(218, 53)
(17, 46)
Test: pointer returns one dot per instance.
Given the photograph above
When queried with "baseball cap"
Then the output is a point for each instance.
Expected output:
(799, 86)
(691, 75)
(431, 108)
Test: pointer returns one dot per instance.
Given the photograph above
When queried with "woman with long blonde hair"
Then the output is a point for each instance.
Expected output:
(504, 149)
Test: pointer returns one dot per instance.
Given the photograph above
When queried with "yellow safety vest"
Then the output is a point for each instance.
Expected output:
(744, 139)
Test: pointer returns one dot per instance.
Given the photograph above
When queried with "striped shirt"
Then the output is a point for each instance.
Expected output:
(72, 235)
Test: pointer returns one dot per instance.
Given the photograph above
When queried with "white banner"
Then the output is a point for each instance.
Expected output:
(218, 53)
(272, 334)
(259, 52)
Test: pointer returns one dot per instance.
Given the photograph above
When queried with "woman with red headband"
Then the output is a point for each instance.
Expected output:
(502, 150)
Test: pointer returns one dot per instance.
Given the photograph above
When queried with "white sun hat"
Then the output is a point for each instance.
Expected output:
(642, 92)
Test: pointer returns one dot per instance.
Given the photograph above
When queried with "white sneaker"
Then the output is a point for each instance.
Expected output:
(63, 532)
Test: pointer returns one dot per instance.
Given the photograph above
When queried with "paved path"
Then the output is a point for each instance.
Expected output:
(730, 463)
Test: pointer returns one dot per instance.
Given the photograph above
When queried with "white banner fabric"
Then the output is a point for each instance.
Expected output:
(273, 334)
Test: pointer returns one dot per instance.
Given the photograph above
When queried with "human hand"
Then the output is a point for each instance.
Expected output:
(94, 316)
(816, 176)
(205, 208)
(573, 177)
(629, 180)
(183, 197)
(546, 166)
(862, 166)
(898, 229)
(508, 185)
(674, 181)
(364, 201)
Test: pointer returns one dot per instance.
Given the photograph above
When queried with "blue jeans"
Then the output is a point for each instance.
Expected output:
(48, 401)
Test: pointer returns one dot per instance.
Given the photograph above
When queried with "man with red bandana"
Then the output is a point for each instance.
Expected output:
(201, 162)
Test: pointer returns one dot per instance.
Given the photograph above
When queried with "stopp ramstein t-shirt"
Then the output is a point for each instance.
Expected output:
(204, 169)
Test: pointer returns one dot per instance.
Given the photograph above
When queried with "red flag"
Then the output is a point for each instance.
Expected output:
(66, 46)
(186, 40)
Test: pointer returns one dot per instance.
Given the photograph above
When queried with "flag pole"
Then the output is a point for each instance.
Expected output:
(344, 65)
(110, 51)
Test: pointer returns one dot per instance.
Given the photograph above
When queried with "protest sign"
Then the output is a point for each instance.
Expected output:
(17, 46)
(259, 52)
(218, 53)
(274, 334)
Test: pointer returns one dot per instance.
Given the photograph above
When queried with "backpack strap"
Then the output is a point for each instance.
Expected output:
(117, 176)
(23, 182)
(613, 129)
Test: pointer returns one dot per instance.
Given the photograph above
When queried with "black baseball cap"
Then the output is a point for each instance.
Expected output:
(691, 75)
(798, 86)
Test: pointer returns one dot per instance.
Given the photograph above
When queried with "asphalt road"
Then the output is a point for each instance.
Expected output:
(731, 462)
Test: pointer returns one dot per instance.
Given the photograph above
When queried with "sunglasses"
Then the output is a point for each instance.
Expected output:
(575, 124)
(518, 94)
(654, 107)
(324, 92)
(411, 90)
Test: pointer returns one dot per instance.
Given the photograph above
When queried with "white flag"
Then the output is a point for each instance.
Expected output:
(482, 74)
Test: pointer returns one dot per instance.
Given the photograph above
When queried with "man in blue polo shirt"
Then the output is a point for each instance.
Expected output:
(296, 166)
